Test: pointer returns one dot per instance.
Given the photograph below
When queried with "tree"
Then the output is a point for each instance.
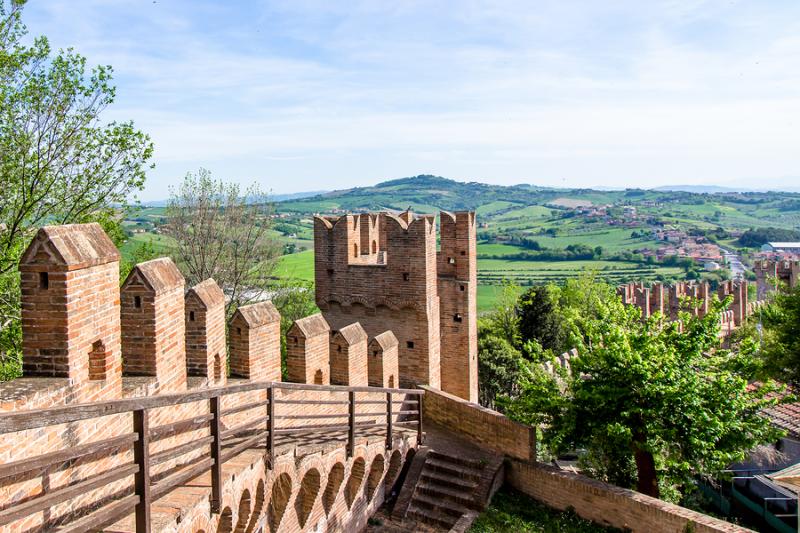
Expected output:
(59, 162)
(500, 369)
(781, 342)
(222, 232)
(539, 319)
(651, 401)
(503, 321)
(294, 300)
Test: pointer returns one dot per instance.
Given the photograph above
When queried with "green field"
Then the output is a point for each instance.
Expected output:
(161, 243)
(296, 266)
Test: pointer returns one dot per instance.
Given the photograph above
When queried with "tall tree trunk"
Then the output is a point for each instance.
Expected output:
(647, 478)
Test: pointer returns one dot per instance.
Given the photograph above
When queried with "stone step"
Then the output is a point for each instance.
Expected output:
(428, 516)
(433, 503)
(451, 469)
(436, 478)
(473, 464)
(457, 496)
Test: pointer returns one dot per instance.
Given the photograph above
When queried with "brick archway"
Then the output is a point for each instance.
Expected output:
(258, 507)
(307, 495)
(375, 475)
(226, 521)
(395, 463)
(354, 481)
(279, 499)
(335, 479)
(244, 512)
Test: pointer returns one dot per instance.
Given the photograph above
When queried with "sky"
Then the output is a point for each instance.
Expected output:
(303, 95)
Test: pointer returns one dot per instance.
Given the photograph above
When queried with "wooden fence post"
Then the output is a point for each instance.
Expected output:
(141, 456)
(270, 426)
(351, 425)
(216, 453)
(419, 419)
(388, 420)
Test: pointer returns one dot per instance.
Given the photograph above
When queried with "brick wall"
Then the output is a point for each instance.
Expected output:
(607, 504)
(153, 324)
(255, 347)
(308, 351)
(484, 427)
(348, 353)
(382, 364)
(205, 332)
(395, 288)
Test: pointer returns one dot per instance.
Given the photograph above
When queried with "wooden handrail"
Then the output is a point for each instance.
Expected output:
(36, 418)
(223, 442)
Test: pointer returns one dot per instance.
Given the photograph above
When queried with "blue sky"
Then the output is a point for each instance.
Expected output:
(308, 95)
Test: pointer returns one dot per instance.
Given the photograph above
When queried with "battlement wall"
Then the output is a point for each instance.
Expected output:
(385, 272)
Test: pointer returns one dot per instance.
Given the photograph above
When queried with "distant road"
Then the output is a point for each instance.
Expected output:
(734, 263)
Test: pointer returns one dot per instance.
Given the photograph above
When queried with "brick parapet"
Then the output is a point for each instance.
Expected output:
(205, 332)
(607, 504)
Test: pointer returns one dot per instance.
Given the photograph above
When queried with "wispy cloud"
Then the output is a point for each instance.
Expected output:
(307, 94)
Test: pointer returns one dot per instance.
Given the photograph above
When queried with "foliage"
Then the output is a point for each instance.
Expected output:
(223, 233)
(500, 369)
(756, 237)
(513, 511)
(503, 320)
(60, 163)
(648, 396)
(781, 341)
(539, 319)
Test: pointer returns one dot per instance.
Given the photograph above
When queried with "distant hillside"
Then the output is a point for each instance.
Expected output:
(427, 193)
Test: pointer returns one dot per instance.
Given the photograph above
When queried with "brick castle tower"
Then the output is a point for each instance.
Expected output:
(384, 271)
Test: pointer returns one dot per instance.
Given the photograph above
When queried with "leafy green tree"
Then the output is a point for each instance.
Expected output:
(295, 300)
(503, 320)
(781, 339)
(59, 162)
(648, 398)
(500, 369)
(539, 319)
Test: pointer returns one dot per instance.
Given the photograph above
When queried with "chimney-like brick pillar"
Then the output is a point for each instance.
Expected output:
(657, 298)
(255, 342)
(153, 324)
(70, 306)
(382, 362)
(641, 298)
(349, 356)
(308, 351)
(205, 332)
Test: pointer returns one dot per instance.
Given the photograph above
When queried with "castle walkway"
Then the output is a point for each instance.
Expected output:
(231, 458)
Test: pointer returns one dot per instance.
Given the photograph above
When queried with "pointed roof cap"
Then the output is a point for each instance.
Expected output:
(311, 326)
(257, 314)
(159, 275)
(74, 246)
(385, 340)
(352, 333)
(207, 293)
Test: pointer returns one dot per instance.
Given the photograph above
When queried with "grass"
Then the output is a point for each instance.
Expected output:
(296, 266)
(161, 243)
(513, 512)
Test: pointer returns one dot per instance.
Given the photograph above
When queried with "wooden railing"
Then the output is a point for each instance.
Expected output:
(223, 443)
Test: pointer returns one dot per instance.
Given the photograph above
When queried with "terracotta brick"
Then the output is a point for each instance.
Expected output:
(255, 346)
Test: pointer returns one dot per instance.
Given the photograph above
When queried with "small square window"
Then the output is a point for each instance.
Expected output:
(462, 288)
(458, 318)
(410, 345)
(44, 280)
(137, 302)
(238, 331)
(451, 260)
(463, 252)
(406, 276)
(191, 316)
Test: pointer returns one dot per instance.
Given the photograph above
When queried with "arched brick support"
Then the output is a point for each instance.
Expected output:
(307, 495)
(279, 500)
(258, 507)
(354, 481)
(395, 464)
(243, 514)
(225, 521)
(333, 486)
(375, 476)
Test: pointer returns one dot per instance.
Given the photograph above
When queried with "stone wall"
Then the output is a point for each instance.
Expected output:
(607, 504)
(484, 427)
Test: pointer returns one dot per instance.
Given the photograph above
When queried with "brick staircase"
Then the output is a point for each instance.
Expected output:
(449, 488)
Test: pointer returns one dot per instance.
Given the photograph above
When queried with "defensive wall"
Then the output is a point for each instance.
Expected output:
(770, 273)
(129, 418)
(112, 373)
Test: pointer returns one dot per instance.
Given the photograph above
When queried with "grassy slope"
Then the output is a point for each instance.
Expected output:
(513, 512)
